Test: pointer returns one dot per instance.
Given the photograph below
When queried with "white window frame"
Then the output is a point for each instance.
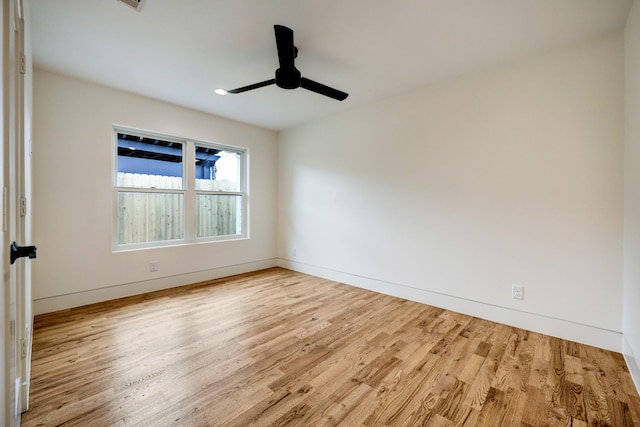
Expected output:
(188, 190)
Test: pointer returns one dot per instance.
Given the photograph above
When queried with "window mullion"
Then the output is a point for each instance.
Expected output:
(190, 195)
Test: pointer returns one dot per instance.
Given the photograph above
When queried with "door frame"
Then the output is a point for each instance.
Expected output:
(15, 297)
(22, 208)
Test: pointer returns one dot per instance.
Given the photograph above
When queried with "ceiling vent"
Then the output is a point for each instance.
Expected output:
(133, 3)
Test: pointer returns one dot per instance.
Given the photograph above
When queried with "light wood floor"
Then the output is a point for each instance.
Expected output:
(281, 348)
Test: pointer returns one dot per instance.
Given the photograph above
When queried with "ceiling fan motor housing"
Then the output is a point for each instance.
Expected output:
(288, 78)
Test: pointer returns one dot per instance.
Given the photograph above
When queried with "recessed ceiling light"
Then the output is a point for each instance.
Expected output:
(220, 91)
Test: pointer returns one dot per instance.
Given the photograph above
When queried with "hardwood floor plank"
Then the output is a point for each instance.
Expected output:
(280, 348)
(486, 374)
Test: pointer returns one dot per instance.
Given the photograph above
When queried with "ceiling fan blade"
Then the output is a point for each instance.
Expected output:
(253, 86)
(322, 89)
(284, 43)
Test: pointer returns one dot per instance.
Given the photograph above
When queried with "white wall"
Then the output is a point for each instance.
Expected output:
(72, 189)
(451, 194)
(631, 289)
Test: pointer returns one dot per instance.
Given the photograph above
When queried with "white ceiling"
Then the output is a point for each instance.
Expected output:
(180, 50)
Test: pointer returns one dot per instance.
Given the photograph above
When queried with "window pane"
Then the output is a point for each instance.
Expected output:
(150, 217)
(217, 170)
(148, 163)
(218, 215)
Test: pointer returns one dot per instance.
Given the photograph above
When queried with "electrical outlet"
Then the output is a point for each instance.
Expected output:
(517, 292)
(153, 266)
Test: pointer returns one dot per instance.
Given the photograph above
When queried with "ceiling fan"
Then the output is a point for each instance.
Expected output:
(288, 76)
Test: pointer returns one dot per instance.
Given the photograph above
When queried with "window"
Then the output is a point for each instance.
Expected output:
(171, 191)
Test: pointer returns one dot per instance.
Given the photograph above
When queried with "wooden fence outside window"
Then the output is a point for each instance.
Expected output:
(148, 216)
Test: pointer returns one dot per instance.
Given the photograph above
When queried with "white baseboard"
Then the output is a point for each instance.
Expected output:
(632, 362)
(77, 299)
(565, 329)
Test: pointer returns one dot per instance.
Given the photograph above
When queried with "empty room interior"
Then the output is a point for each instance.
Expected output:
(429, 214)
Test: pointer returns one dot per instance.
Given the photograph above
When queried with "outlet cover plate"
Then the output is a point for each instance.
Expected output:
(517, 292)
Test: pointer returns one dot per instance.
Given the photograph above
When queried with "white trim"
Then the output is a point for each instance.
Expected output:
(565, 329)
(25, 386)
(61, 302)
(632, 362)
